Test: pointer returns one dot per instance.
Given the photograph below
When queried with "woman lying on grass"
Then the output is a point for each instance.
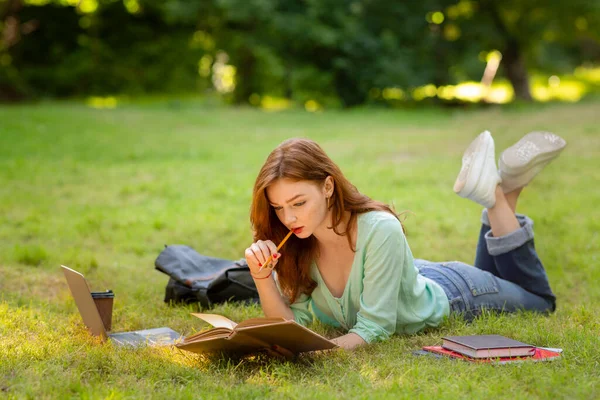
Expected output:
(351, 265)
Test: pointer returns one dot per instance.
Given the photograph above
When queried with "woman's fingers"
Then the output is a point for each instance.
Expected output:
(258, 254)
(271, 246)
(251, 259)
(280, 352)
(269, 250)
(273, 251)
(264, 248)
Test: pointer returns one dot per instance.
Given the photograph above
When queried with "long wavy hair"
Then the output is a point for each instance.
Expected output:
(304, 160)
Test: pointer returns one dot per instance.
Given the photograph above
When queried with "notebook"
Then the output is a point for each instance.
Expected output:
(487, 346)
(91, 318)
(540, 354)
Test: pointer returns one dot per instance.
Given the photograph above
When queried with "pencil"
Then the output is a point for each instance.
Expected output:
(278, 247)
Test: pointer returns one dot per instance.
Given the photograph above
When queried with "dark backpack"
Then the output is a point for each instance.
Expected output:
(207, 280)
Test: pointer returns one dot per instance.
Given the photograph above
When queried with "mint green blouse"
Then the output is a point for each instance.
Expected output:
(384, 294)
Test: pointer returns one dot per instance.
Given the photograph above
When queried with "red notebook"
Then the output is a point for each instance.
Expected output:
(539, 355)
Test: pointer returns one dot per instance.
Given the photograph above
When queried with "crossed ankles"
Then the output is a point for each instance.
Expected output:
(519, 164)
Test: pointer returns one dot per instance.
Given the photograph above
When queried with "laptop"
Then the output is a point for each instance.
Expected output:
(91, 318)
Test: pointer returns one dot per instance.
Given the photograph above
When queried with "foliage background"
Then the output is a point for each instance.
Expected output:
(332, 52)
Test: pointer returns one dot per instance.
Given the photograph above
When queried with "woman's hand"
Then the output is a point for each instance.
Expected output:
(349, 341)
(256, 256)
(271, 301)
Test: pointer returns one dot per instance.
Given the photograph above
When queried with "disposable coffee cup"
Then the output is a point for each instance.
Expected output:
(104, 304)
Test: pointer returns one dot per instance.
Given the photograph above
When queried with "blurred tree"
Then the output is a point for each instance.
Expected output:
(99, 47)
(10, 34)
(349, 47)
(325, 50)
(538, 34)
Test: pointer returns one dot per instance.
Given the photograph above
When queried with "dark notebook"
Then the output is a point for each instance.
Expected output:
(487, 346)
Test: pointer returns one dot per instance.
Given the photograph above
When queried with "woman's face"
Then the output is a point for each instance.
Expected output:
(300, 205)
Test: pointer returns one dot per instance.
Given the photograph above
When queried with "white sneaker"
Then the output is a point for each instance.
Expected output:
(478, 177)
(526, 158)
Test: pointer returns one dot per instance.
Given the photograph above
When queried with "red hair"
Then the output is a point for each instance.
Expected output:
(303, 160)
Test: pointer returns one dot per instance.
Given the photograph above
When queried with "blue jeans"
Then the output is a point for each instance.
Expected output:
(508, 274)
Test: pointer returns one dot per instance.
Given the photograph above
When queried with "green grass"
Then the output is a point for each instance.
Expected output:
(103, 190)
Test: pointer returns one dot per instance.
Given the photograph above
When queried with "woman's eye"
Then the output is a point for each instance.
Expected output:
(299, 204)
(277, 208)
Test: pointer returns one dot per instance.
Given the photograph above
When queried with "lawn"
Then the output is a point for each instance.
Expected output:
(102, 191)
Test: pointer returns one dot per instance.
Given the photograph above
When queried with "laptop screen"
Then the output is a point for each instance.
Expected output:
(84, 301)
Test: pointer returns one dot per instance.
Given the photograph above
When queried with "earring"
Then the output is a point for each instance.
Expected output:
(328, 202)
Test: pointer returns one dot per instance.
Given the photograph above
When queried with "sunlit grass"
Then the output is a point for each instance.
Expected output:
(103, 189)
(102, 102)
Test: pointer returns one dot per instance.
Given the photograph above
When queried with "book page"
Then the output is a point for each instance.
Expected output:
(218, 321)
(219, 344)
(259, 322)
(209, 334)
(289, 335)
(257, 334)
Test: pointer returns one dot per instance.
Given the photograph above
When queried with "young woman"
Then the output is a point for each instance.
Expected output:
(348, 262)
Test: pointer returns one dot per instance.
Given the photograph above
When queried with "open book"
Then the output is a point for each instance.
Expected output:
(253, 335)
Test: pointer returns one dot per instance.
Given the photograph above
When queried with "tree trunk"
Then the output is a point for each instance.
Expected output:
(289, 91)
(512, 55)
(245, 76)
(10, 7)
(516, 72)
(11, 33)
(348, 89)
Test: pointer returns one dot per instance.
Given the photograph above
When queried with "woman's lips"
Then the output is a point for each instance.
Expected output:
(298, 230)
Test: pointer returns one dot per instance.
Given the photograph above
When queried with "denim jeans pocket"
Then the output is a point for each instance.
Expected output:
(447, 280)
(478, 281)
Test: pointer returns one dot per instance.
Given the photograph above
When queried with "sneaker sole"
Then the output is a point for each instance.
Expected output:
(533, 149)
(471, 171)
